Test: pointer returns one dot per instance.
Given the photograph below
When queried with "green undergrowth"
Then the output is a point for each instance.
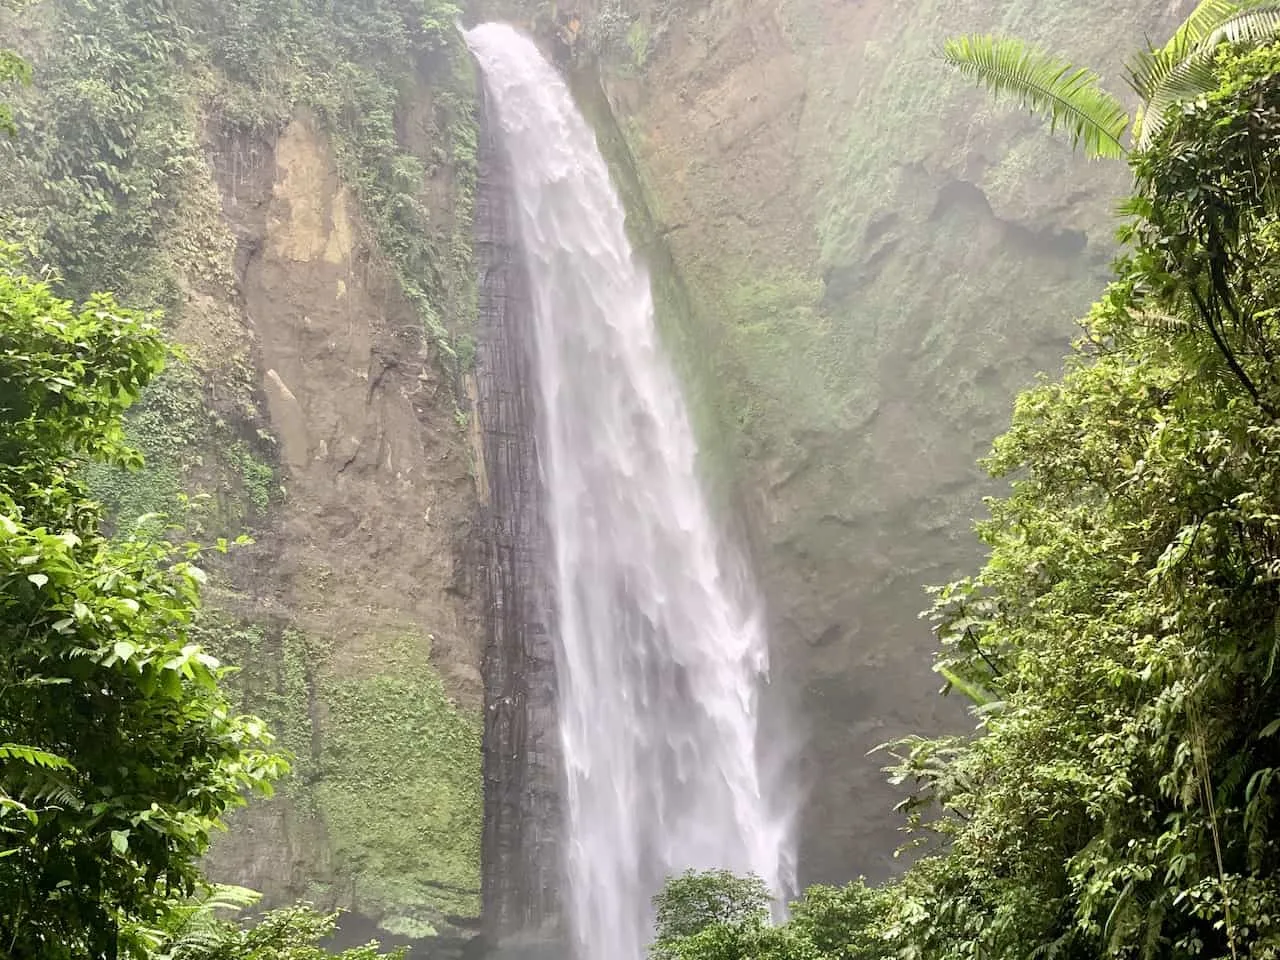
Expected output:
(783, 354)
(188, 452)
(394, 88)
(383, 758)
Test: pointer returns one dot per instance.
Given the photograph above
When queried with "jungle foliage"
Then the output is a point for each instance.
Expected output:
(109, 133)
(119, 749)
(1121, 644)
(1073, 99)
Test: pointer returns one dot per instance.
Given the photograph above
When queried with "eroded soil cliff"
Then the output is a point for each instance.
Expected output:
(369, 645)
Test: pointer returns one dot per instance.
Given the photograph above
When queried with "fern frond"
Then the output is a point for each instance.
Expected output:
(34, 757)
(37, 776)
(1254, 24)
(49, 789)
(1159, 322)
(1184, 68)
(1070, 97)
(226, 896)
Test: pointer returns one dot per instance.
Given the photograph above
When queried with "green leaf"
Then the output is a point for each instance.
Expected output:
(34, 757)
(1068, 96)
(1184, 68)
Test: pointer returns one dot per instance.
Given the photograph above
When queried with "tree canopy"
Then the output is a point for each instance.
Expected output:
(118, 751)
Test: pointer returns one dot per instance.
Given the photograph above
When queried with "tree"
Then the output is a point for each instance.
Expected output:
(1120, 799)
(1072, 98)
(717, 915)
(695, 900)
(118, 750)
(714, 915)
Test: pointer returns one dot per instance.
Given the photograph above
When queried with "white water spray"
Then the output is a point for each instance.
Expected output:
(661, 654)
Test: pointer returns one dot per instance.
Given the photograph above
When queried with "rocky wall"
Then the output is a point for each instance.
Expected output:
(875, 259)
(522, 772)
(353, 614)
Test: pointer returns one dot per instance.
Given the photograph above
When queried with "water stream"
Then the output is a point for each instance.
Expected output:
(661, 650)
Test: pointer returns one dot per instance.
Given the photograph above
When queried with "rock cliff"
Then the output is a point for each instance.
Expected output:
(293, 189)
(870, 260)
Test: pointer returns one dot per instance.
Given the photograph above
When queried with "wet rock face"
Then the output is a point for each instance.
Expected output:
(522, 816)
(876, 261)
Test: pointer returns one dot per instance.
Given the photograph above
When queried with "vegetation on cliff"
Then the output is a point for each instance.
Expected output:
(119, 750)
(1073, 99)
(136, 128)
(1118, 798)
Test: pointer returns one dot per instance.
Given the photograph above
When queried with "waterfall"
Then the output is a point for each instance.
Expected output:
(661, 648)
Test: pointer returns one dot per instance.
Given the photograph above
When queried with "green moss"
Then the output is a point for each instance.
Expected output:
(784, 357)
(257, 477)
(382, 757)
(399, 789)
(166, 427)
(638, 41)
(188, 452)
(273, 681)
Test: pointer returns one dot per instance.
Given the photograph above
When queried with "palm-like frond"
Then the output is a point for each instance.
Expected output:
(1183, 68)
(33, 757)
(1201, 22)
(1186, 80)
(1070, 97)
(1253, 23)
(1149, 69)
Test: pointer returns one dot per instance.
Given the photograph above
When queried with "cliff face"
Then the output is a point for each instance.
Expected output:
(371, 635)
(872, 260)
(294, 191)
(522, 771)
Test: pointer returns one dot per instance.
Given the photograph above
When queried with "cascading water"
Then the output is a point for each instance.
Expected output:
(661, 654)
